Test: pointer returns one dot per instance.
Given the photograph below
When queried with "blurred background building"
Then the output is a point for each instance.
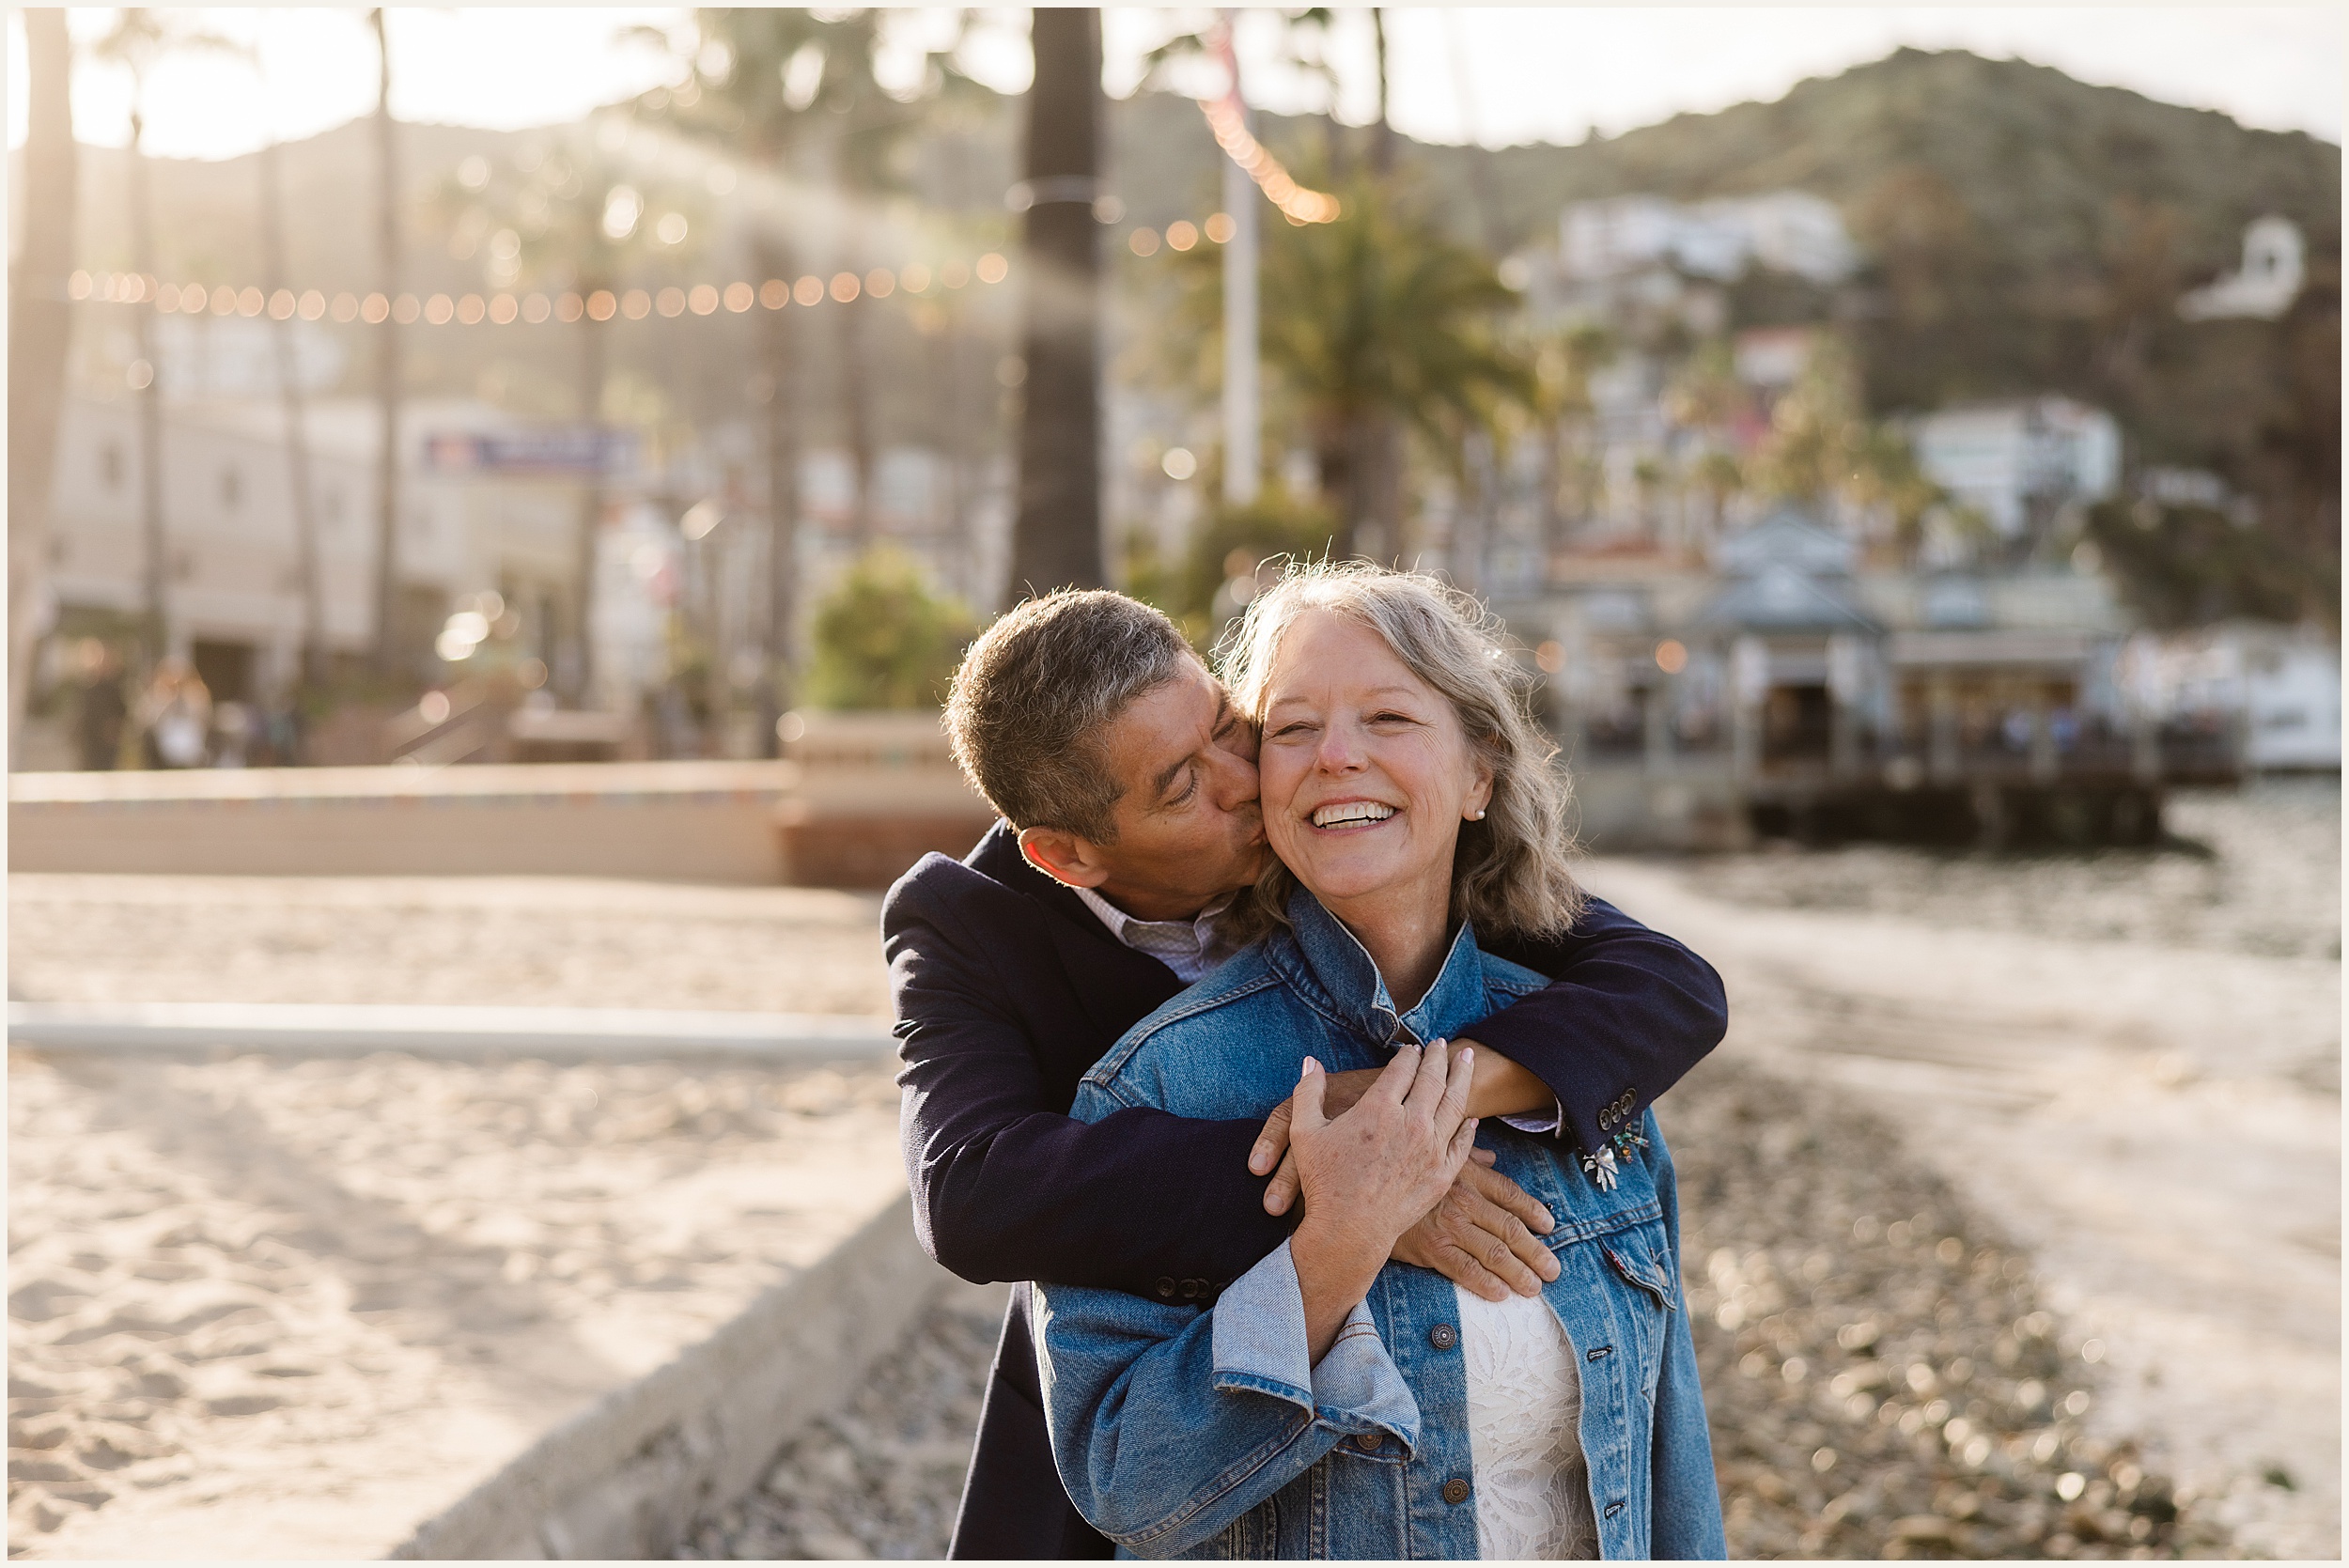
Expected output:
(664, 383)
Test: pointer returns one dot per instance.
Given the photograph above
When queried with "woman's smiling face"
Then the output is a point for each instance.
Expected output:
(1366, 773)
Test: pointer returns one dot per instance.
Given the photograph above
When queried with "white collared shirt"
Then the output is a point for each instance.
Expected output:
(1189, 947)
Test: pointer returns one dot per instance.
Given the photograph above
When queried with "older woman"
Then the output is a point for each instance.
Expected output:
(1332, 1404)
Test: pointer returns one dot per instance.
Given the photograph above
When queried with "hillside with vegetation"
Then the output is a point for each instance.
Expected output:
(2026, 232)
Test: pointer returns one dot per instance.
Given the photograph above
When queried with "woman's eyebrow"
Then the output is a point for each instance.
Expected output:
(1396, 690)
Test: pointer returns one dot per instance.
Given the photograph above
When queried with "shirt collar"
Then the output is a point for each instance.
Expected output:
(1118, 920)
(1331, 961)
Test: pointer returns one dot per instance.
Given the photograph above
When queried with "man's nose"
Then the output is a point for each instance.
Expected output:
(1236, 780)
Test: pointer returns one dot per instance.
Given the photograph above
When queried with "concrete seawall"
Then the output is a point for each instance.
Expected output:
(739, 822)
(628, 1477)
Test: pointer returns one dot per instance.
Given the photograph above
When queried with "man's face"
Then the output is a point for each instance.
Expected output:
(1187, 826)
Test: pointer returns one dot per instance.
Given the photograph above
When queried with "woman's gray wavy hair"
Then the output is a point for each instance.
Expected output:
(1509, 872)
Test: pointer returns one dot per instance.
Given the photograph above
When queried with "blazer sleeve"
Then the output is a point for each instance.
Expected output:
(1007, 1188)
(1627, 1013)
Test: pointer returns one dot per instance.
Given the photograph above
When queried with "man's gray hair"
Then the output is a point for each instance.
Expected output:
(1034, 692)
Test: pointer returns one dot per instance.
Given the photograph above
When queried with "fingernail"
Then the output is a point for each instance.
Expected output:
(1258, 1158)
(1312, 1067)
(1550, 1223)
(1467, 1056)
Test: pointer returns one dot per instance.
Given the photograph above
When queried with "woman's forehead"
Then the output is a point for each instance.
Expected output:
(1362, 664)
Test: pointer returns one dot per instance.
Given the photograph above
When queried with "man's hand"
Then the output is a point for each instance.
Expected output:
(1483, 1237)
(1341, 1092)
(1371, 1174)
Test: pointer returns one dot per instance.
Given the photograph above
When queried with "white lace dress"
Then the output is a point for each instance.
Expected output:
(1525, 1409)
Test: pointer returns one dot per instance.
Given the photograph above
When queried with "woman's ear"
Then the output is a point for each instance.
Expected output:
(1480, 794)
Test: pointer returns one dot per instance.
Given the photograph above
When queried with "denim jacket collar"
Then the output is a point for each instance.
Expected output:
(1329, 965)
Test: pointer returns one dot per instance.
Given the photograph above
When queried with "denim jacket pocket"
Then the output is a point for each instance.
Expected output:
(1643, 1269)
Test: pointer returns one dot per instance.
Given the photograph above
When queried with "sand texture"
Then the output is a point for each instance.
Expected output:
(2153, 1113)
(1988, 1133)
(261, 1309)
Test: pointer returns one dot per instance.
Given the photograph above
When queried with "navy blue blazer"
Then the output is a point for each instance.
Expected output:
(1007, 989)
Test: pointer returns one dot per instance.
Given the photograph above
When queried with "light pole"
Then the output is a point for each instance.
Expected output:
(1243, 457)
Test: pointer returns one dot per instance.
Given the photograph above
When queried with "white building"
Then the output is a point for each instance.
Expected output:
(2016, 463)
(1783, 231)
(2275, 263)
(2280, 684)
(233, 588)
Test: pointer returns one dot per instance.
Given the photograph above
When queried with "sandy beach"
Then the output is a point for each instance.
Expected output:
(277, 1307)
(262, 1307)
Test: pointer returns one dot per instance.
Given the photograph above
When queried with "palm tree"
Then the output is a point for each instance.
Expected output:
(579, 219)
(137, 41)
(41, 325)
(1056, 536)
(1378, 324)
(387, 366)
(794, 92)
(307, 551)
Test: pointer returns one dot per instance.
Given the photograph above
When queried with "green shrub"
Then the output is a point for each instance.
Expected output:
(1230, 543)
(885, 638)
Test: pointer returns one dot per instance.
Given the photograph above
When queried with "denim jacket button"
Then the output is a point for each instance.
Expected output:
(1456, 1491)
(1367, 1443)
(1166, 1287)
(1443, 1336)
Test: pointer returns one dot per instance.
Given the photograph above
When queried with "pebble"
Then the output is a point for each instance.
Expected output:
(1882, 1378)
(880, 1478)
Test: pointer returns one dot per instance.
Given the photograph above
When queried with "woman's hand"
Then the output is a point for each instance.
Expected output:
(1499, 1088)
(1372, 1173)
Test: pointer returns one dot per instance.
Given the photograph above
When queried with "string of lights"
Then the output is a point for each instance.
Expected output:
(705, 299)
(1297, 204)
(505, 309)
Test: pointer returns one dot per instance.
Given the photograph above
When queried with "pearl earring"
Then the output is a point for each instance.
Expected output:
(1477, 815)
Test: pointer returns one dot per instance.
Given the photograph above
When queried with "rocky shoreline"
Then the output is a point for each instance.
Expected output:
(1882, 1377)
(1882, 1380)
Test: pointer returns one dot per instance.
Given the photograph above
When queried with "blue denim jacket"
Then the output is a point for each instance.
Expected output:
(1190, 1431)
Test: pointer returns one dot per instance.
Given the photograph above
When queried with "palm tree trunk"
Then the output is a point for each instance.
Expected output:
(297, 437)
(155, 629)
(594, 356)
(40, 326)
(1056, 538)
(856, 389)
(776, 344)
(1382, 133)
(1376, 504)
(387, 366)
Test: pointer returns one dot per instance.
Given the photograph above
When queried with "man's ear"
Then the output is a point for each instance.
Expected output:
(1063, 855)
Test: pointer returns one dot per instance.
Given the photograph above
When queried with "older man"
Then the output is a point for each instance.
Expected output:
(1128, 790)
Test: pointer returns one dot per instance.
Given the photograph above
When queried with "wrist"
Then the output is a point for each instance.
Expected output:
(1500, 1087)
(1338, 1259)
